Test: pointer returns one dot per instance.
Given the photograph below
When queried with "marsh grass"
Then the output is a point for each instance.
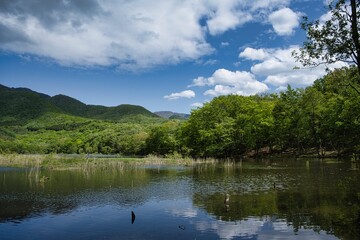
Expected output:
(17, 160)
(105, 162)
(63, 162)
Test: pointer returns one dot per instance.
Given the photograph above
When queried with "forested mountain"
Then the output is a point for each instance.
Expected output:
(74, 107)
(32, 122)
(18, 105)
(172, 115)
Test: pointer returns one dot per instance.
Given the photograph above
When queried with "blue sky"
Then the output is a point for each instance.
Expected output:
(163, 55)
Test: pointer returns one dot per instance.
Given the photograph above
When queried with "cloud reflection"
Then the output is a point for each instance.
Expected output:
(258, 228)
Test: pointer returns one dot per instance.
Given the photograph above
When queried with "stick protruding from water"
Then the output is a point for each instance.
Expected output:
(132, 217)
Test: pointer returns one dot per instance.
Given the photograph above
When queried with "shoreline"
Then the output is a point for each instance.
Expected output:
(72, 161)
(79, 161)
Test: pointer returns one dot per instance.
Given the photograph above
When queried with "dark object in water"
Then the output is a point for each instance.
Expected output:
(132, 217)
(182, 227)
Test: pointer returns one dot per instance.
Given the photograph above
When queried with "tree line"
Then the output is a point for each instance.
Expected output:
(323, 117)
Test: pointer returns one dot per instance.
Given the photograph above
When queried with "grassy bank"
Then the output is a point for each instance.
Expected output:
(81, 161)
(54, 161)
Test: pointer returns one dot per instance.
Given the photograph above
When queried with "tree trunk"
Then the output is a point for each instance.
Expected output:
(355, 32)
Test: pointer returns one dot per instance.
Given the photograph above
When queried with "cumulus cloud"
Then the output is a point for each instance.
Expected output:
(278, 68)
(124, 33)
(183, 94)
(228, 82)
(135, 34)
(225, 19)
(253, 54)
(196, 104)
(199, 82)
(284, 21)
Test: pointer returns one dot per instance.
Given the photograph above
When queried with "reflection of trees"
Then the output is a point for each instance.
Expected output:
(338, 214)
(23, 195)
(17, 210)
(240, 206)
(316, 194)
(335, 213)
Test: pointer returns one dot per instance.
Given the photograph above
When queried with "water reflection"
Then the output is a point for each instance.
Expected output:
(312, 199)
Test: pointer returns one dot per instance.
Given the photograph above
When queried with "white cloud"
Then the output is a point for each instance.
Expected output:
(270, 66)
(225, 44)
(199, 82)
(284, 21)
(325, 17)
(220, 90)
(263, 4)
(183, 94)
(225, 19)
(280, 89)
(227, 82)
(253, 54)
(278, 68)
(135, 34)
(197, 104)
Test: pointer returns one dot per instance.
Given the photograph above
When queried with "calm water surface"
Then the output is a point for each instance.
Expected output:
(268, 200)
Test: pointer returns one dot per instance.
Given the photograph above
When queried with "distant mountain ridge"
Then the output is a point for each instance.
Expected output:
(77, 108)
(172, 115)
(22, 104)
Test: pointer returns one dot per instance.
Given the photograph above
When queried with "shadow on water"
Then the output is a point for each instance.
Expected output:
(234, 200)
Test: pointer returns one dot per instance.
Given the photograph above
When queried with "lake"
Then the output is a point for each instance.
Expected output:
(284, 199)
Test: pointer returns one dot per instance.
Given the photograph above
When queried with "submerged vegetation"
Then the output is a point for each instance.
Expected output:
(322, 118)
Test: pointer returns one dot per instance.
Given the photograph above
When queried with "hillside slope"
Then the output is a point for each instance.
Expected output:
(75, 107)
(172, 115)
(19, 105)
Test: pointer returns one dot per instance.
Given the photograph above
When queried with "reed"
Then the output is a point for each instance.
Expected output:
(117, 163)
(53, 161)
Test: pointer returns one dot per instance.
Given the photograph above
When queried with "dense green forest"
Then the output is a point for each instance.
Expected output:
(323, 117)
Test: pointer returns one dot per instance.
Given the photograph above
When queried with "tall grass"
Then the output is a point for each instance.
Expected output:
(53, 161)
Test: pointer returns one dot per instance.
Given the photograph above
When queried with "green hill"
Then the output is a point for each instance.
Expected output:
(172, 115)
(68, 104)
(74, 107)
(19, 105)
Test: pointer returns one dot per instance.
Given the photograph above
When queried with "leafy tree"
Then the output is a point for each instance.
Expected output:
(162, 138)
(228, 126)
(312, 119)
(337, 39)
(286, 114)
